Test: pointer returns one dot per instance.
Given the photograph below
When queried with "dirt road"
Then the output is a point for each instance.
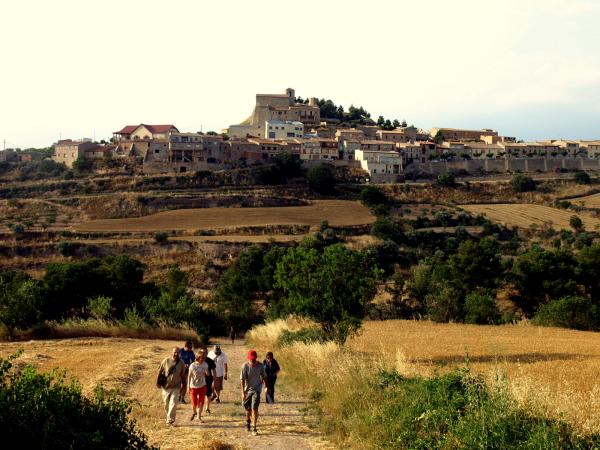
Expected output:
(130, 365)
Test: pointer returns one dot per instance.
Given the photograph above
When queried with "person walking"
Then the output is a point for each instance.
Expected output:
(186, 354)
(221, 362)
(171, 375)
(232, 334)
(252, 377)
(209, 379)
(197, 385)
(271, 369)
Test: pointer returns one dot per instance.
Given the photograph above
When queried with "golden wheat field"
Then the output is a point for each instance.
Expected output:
(589, 201)
(524, 215)
(556, 371)
(337, 212)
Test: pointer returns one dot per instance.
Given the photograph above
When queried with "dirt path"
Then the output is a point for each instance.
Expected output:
(130, 366)
(283, 425)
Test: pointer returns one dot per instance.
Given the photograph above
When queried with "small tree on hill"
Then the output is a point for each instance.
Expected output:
(522, 183)
(582, 178)
(446, 179)
(576, 223)
(321, 179)
(332, 287)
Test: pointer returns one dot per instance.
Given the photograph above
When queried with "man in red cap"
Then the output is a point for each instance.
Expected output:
(252, 378)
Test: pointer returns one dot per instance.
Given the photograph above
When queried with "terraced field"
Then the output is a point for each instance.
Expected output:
(589, 201)
(524, 215)
(337, 212)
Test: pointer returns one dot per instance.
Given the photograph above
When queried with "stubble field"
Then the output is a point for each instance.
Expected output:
(524, 215)
(552, 370)
(336, 212)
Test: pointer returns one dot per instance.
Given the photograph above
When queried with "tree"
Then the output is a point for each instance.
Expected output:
(372, 196)
(481, 309)
(396, 123)
(576, 223)
(582, 178)
(82, 164)
(239, 290)
(477, 264)
(380, 121)
(403, 124)
(438, 138)
(161, 237)
(446, 179)
(332, 287)
(570, 312)
(543, 275)
(20, 301)
(321, 179)
(522, 183)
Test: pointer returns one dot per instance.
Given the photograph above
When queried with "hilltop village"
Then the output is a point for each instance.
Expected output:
(309, 131)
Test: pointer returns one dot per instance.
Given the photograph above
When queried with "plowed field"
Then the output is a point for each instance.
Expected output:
(337, 212)
(524, 215)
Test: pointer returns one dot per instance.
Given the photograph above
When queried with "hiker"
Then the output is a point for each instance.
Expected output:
(171, 374)
(209, 379)
(252, 377)
(232, 334)
(197, 385)
(221, 361)
(186, 354)
(271, 369)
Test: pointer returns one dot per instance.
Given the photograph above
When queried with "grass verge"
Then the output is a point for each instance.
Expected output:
(366, 403)
(76, 328)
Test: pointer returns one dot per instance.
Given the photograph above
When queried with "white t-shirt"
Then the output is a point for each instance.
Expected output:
(220, 362)
(197, 375)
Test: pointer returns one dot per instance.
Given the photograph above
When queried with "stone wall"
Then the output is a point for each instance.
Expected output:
(475, 166)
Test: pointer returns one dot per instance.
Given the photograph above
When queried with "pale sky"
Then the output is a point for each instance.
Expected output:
(79, 68)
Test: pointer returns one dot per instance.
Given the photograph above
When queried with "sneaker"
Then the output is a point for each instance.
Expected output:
(200, 420)
(218, 400)
(254, 432)
(208, 411)
(268, 398)
(248, 425)
(193, 416)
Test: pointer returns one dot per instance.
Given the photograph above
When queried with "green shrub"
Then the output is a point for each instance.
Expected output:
(445, 305)
(522, 183)
(453, 411)
(372, 196)
(481, 309)
(44, 411)
(446, 179)
(161, 237)
(304, 335)
(582, 178)
(387, 229)
(569, 312)
(321, 179)
(101, 307)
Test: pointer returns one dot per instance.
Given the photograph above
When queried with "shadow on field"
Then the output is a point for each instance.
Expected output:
(524, 358)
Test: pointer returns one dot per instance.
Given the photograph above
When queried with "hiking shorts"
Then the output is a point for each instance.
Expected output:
(252, 400)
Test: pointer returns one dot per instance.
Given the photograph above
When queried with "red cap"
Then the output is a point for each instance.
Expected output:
(252, 355)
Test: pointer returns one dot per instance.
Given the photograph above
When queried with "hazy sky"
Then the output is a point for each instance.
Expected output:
(529, 68)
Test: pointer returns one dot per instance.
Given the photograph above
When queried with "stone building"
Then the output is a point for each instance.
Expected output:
(457, 134)
(144, 132)
(282, 107)
(382, 166)
(280, 129)
(67, 151)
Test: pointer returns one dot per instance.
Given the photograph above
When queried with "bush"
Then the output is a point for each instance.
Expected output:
(445, 305)
(481, 309)
(387, 229)
(522, 183)
(372, 196)
(452, 411)
(446, 179)
(304, 335)
(321, 179)
(569, 312)
(582, 178)
(43, 411)
(161, 237)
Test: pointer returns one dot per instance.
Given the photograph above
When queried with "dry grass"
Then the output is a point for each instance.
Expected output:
(589, 201)
(553, 370)
(524, 215)
(337, 212)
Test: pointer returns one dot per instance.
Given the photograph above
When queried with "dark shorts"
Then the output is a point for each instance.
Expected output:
(209, 389)
(252, 400)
